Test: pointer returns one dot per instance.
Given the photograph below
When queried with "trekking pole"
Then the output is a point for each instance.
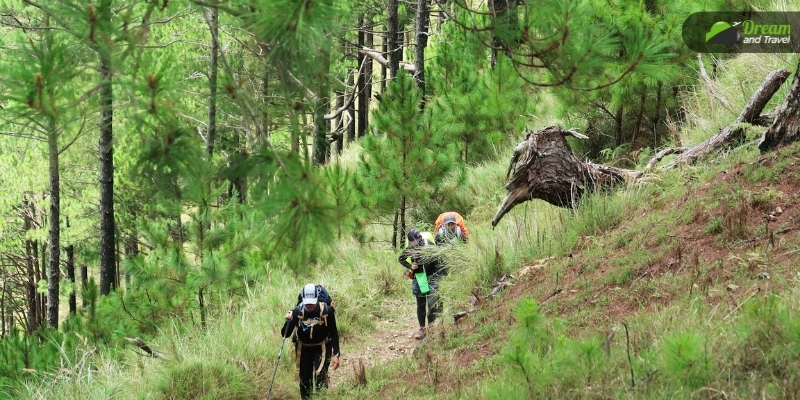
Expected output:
(280, 352)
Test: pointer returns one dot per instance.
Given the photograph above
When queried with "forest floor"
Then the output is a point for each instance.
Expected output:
(392, 339)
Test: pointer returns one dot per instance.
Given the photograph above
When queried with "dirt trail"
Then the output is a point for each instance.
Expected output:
(392, 339)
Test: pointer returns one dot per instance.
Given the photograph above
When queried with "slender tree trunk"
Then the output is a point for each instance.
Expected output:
(54, 270)
(351, 127)
(339, 123)
(84, 282)
(395, 52)
(385, 51)
(395, 228)
(43, 276)
(419, 53)
(637, 127)
(618, 127)
(107, 226)
(321, 147)
(367, 95)
(3, 310)
(28, 215)
(497, 8)
(265, 102)
(402, 219)
(211, 135)
(73, 307)
(361, 126)
(657, 118)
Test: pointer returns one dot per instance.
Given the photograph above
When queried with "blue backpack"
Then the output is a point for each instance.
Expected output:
(322, 296)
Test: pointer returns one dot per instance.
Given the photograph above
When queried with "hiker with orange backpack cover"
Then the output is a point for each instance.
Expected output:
(450, 228)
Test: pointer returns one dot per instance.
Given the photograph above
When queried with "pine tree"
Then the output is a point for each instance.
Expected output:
(408, 160)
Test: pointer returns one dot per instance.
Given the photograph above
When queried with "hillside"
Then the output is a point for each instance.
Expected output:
(698, 262)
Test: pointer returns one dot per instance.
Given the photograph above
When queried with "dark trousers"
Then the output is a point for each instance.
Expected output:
(429, 306)
(310, 358)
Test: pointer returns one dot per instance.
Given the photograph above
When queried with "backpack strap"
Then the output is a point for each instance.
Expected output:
(323, 313)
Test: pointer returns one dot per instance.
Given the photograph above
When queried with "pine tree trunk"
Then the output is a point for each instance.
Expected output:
(28, 213)
(361, 127)
(499, 9)
(419, 51)
(339, 123)
(395, 228)
(84, 282)
(3, 310)
(385, 51)
(321, 147)
(395, 52)
(265, 102)
(618, 127)
(637, 127)
(53, 270)
(106, 154)
(351, 127)
(107, 225)
(786, 128)
(366, 96)
(43, 276)
(211, 134)
(73, 307)
(402, 231)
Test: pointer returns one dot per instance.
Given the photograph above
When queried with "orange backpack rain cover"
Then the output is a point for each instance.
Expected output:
(459, 222)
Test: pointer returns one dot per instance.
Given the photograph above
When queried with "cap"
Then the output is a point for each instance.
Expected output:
(309, 294)
(414, 235)
(449, 218)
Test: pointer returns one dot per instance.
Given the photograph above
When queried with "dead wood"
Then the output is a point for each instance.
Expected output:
(786, 127)
(735, 131)
(544, 167)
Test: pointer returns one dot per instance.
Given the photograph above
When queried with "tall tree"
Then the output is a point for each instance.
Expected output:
(101, 41)
(211, 133)
(394, 47)
(419, 51)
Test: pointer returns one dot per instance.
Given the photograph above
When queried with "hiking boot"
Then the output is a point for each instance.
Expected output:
(420, 334)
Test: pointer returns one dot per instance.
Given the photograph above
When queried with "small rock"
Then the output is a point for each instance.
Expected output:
(763, 275)
(573, 291)
(391, 347)
(732, 287)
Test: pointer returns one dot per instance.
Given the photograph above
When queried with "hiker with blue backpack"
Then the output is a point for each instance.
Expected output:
(425, 273)
(314, 320)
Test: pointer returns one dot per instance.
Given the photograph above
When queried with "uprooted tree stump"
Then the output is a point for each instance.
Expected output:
(544, 167)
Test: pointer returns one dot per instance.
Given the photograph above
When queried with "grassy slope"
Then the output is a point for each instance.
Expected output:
(660, 256)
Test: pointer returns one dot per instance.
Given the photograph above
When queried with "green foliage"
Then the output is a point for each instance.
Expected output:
(482, 108)
(406, 164)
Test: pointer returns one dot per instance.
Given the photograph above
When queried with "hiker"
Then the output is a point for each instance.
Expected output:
(317, 340)
(425, 273)
(450, 228)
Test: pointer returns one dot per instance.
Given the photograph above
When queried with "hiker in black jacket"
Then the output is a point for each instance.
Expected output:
(317, 340)
(428, 304)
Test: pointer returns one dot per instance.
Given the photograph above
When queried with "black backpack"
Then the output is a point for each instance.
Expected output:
(322, 296)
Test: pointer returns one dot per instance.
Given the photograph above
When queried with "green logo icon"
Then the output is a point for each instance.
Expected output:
(723, 33)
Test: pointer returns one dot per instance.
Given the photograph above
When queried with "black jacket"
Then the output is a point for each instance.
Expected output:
(313, 328)
(417, 254)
